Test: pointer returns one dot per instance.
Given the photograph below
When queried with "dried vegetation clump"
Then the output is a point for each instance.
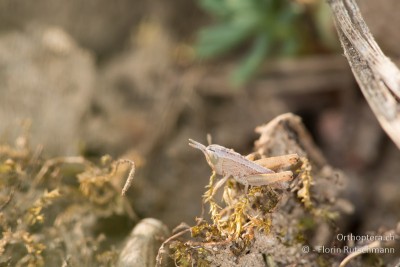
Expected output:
(269, 224)
(284, 224)
(59, 211)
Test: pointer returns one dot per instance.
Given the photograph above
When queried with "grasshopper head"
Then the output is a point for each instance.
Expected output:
(209, 152)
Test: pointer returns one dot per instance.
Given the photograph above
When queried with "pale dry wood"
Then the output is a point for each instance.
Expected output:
(143, 243)
(377, 76)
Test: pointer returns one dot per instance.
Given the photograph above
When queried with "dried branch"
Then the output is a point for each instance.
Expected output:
(377, 76)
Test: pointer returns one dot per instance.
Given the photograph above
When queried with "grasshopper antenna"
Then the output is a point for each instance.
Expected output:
(197, 145)
(209, 139)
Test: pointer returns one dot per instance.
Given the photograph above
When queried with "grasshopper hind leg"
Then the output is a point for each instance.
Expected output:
(275, 163)
(268, 178)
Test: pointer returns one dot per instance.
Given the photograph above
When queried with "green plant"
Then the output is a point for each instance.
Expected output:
(274, 28)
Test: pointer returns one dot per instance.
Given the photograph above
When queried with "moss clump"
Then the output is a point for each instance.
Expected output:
(233, 223)
(52, 211)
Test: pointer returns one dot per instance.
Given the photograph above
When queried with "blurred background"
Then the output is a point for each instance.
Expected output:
(136, 79)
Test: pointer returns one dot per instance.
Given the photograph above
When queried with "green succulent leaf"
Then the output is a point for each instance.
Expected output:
(253, 60)
(217, 8)
(220, 39)
(291, 46)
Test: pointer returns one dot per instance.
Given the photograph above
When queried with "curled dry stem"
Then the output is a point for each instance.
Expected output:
(129, 180)
(162, 251)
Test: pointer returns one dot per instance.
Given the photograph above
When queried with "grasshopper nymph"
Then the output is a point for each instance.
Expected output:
(228, 163)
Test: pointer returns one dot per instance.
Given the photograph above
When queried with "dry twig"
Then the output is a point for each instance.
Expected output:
(377, 76)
